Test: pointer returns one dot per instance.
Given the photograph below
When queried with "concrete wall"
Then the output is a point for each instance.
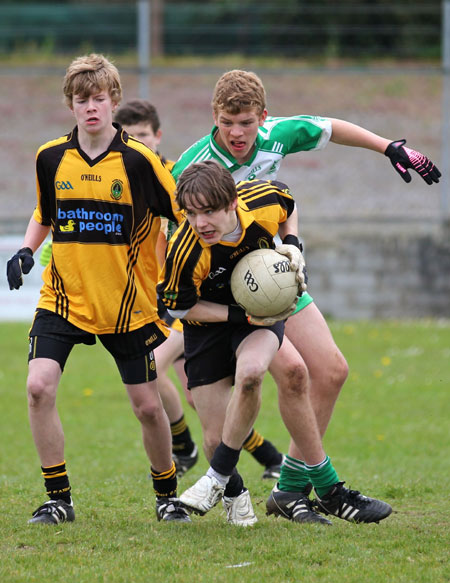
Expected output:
(373, 275)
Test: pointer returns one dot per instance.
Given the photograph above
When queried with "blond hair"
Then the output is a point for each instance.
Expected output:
(91, 74)
(238, 91)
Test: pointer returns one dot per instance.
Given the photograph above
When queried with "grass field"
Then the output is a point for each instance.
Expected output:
(389, 437)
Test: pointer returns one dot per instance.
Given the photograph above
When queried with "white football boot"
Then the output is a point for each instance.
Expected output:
(239, 509)
(203, 495)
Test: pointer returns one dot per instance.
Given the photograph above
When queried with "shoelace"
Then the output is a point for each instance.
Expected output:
(310, 504)
(50, 508)
(172, 506)
(354, 496)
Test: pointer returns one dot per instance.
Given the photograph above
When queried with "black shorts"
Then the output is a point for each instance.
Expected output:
(52, 336)
(210, 351)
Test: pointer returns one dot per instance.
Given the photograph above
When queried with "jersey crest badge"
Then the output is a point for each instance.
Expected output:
(116, 189)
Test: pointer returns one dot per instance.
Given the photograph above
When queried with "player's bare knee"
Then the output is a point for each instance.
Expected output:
(331, 378)
(250, 378)
(148, 412)
(40, 391)
(294, 381)
(341, 371)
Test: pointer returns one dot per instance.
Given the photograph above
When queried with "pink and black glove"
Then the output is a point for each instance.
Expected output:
(403, 158)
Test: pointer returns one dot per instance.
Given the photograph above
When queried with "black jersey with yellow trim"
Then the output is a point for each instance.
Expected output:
(196, 270)
(105, 218)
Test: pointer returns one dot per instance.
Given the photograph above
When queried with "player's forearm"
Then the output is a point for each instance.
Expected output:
(35, 234)
(349, 134)
(208, 312)
(290, 226)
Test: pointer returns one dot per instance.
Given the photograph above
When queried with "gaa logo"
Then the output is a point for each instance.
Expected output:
(250, 281)
(117, 189)
(63, 185)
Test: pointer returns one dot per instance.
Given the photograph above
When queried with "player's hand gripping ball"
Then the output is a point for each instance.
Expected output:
(265, 284)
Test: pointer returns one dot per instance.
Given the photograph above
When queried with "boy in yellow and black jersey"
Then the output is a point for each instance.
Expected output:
(224, 346)
(105, 223)
(101, 194)
(221, 342)
(200, 270)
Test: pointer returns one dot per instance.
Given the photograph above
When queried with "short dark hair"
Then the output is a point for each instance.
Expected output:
(137, 111)
(206, 182)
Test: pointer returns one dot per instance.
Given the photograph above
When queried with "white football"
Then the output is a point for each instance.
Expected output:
(263, 284)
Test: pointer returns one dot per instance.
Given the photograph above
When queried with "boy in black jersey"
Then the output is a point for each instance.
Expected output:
(224, 346)
(101, 194)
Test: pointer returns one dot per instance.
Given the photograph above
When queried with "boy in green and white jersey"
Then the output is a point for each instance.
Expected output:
(277, 137)
(252, 145)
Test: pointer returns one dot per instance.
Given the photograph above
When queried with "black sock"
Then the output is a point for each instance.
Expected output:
(262, 450)
(235, 485)
(182, 443)
(57, 482)
(225, 459)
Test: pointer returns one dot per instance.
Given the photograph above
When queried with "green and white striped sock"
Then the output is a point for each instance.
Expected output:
(293, 475)
(322, 476)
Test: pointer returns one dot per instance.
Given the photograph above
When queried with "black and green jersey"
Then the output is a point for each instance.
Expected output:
(196, 270)
(105, 218)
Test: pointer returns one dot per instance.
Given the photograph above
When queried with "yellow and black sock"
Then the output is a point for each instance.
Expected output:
(182, 443)
(165, 483)
(57, 482)
(262, 449)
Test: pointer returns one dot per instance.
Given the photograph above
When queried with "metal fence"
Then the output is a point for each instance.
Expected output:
(336, 187)
(319, 29)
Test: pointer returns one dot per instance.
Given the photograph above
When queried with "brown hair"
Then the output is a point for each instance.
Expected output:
(90, 74)
(137, 111)
(238, 91)
(206, 184)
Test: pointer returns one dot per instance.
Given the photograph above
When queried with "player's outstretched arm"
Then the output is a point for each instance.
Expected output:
(401, 157)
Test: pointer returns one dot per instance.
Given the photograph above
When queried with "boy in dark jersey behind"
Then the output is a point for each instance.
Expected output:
(140, 119)
(101, 194)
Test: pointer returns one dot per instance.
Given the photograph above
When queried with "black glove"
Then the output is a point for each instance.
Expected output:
(237, 315)
(403, 158)
(21, 262)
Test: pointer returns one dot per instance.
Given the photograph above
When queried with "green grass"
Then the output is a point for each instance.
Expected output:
(389, 437)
